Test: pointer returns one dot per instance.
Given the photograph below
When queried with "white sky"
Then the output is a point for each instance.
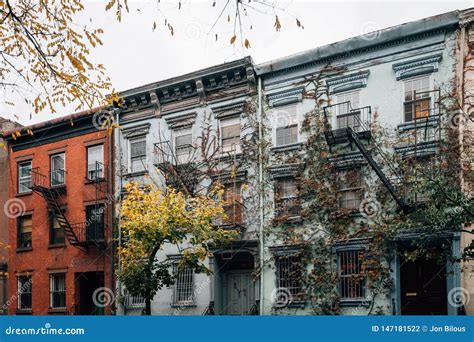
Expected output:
(135, 55)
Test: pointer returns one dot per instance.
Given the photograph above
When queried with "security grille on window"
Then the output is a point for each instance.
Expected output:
(57, 291)
(346, 118)
(24, 177)
(289, 274)
(183, 140)
(183, 292)
(24, 231)
(352, 278)
(417, 98)
(24, 290)
(287, 202)
(95, 162)
(138, 155)
(350, 189)
(286, 123)
(230, 134)
(56, 231)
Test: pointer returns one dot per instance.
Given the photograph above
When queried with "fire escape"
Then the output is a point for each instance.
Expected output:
(348, 127)
(80, 235)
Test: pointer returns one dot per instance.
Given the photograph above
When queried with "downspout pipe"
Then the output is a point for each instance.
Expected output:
(110, 190)
(261, 195)
(118, 197)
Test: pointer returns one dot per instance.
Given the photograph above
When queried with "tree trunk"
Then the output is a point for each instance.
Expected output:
(147, 306)
(148, 297)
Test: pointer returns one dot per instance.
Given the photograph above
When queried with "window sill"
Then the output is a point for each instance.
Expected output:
(24, 249)
(183, 305)
(409, 125)
(293, 304)
(91, 181)
(57, 311)
(24, 311)
(286, 148)
(56, 245)
(354, 302)
(20, 194)
(135, 174)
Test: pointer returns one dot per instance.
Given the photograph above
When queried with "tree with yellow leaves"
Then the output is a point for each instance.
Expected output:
(151, 218)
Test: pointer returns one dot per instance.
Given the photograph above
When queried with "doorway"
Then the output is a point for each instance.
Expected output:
(89, 282)
(240, 292)
(423, 287)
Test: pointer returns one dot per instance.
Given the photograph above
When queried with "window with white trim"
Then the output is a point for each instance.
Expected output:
(352, 276)
(182, 140)
(286, 125)
(24, 290)
(350, 189)
(230, 134)
(183, 290)
(95, 162)
(344, 116)
(138, 155)
(417, 98)
(24, 177)
(57, 290)
(58, 169)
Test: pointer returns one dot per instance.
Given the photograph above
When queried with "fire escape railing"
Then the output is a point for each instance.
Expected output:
(351, 126)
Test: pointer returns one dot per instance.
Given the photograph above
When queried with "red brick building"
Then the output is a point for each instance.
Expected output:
(61, 255)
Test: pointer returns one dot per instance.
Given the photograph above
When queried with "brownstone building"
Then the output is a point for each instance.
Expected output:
(60, 227)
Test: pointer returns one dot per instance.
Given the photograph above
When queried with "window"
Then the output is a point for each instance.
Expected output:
(230, 135)
(350, 189)
(287, 197)
(352, 279)
(286, 123)
(58, 169)
(183, 139)
(183, 292)
(95, 162)
(138, 155)
(57, 291)
(24, 290)
(95, 222)
(24, 177)
(233, 203)
(24, 231)
(56, 231)
(289, 272)
(344, 116)
(417, 98)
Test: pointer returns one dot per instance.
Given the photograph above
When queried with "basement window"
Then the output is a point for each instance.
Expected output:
(57, 291)
(352, 277)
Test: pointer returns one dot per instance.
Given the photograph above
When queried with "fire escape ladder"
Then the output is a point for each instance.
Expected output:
(50, 195)
(353, 137)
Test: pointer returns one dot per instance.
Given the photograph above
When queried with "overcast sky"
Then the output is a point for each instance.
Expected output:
(134, 54)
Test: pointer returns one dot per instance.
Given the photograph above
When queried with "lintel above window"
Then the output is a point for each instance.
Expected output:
(348, 82)
(417, 67)
(286, 97)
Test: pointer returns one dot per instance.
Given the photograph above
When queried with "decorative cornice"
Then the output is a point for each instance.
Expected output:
(279, 171)
(348, 82)
(181, 121)
(229, 110)
(285, 97)
(285, 249)
(417, 67)
(135, 131)
(348, 161)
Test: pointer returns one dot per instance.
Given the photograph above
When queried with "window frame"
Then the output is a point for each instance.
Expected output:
(189, 285)
(406, 102)
(21, 292)
(294, 122)
(363, 283)
(293, 284)
(280, 201)
(61, 172)
(21, 180)
(54, 290)
(96, 231)
(222, 125)
(20, 233)
(90, 172)
(342, 98)
(53, 230)
(182, 158)
(345, 188)
(142, 157)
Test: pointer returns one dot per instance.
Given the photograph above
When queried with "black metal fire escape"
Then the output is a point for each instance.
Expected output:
(352, 126)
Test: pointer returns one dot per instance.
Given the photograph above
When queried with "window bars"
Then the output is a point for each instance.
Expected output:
(352, 278)
(289, 273)
(183, 291)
